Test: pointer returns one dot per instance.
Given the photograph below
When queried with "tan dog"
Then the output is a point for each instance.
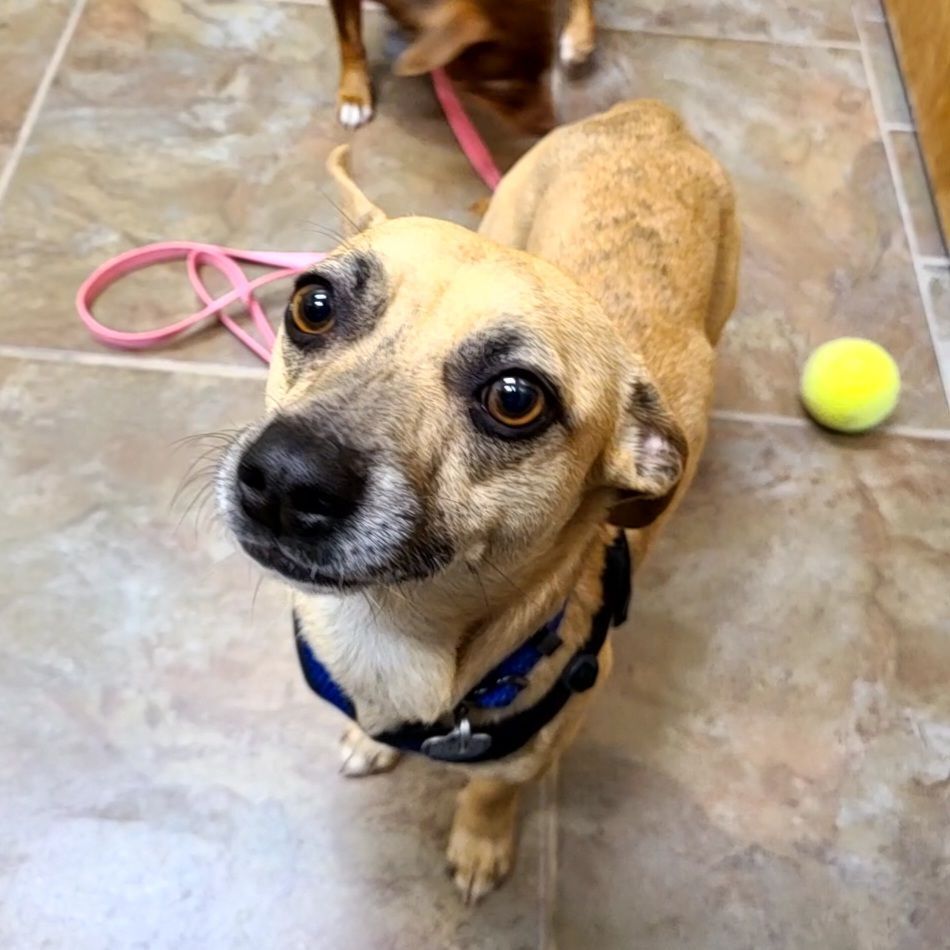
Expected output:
(452, 421)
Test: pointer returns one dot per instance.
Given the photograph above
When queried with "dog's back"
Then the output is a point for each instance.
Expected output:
(634, 209)
(643, 218)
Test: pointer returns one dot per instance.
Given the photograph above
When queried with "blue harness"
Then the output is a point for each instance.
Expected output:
(461, 741)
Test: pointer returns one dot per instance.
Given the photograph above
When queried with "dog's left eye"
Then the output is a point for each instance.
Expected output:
(310, 310)
(514, 401)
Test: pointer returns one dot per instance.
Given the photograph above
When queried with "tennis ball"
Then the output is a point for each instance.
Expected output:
(850, 384)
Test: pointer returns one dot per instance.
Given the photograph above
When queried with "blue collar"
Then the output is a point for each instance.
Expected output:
(501, 686)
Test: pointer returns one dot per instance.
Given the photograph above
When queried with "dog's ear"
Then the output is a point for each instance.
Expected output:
(359, 213)
(450, 29)
(647, 458)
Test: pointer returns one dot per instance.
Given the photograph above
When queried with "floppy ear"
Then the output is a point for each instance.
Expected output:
(450, 29)
(647, 459)
(359, 213)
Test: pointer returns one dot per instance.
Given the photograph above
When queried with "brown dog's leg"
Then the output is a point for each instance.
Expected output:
(355, 95)
(482, 840)
(577, 39)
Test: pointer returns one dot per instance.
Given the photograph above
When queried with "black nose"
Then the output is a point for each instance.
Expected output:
(298, 483)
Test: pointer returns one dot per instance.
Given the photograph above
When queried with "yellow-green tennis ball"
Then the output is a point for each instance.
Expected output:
(850, 384)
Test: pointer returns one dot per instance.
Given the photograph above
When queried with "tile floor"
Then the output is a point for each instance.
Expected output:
(770, 765)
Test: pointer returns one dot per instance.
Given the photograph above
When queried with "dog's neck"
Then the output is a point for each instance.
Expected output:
(410, 654)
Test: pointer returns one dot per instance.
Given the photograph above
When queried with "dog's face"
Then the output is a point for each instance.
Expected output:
(437, 399)
(497, 51)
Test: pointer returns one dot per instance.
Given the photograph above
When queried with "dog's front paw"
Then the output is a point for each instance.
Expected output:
(478, 864)
(354, 99)
(577, 44)
(354, 114)
(575, 51)
(362, 755)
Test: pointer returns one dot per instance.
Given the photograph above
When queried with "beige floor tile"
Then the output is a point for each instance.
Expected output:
(923, 214)
(770, 764)
(167, 779)
(811, 21)
(824, 248)
(29, 31)
(883, 62)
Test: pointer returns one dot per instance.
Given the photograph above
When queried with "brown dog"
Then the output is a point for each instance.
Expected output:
(452, 424)
(497, 51)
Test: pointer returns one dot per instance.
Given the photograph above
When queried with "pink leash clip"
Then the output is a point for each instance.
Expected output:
(226, 261)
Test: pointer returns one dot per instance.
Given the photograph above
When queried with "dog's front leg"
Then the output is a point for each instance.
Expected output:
(482, 841)
(355, 95)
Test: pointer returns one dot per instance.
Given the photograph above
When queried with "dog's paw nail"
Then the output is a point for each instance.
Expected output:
(360, 755)
(354, 114)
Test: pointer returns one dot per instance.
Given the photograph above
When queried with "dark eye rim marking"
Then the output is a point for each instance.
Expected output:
(294, 318)
(483, 419)
(360, 291)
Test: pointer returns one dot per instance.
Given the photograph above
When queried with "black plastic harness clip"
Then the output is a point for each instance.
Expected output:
(581, 673)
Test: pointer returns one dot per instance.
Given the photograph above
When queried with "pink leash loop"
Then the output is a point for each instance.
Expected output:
(225, 261)
(196, 256)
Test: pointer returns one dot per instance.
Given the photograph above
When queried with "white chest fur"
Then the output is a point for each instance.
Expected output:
(393, 669)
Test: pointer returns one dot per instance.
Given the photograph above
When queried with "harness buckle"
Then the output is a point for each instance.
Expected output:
(459, 745)
(581, 673)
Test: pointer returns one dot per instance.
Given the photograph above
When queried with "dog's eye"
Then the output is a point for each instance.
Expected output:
(311, 309)
(513, 401)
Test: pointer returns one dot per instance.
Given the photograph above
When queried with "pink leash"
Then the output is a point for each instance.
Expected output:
(465, 133)
(225, 260)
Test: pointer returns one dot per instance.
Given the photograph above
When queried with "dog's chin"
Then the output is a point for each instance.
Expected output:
(301, 575)
(309, 577)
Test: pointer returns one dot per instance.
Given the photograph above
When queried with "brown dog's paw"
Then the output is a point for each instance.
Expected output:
(478, 864)
(577, 45)
(364, 756)
(354, 99)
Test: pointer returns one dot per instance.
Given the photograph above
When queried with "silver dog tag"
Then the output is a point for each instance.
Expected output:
(459, 745)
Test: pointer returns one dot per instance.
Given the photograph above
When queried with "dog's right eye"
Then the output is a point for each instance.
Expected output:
(514, 405)
(514, 401)
(310, 311)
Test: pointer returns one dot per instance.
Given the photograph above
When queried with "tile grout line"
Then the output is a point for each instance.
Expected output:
(899, 127)
(39, 97)
(846, 45)
(926, 260)
(904, 208)
(148, 364)
(547, 883)
(800, 422)
(849, 46)
(160, 364)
